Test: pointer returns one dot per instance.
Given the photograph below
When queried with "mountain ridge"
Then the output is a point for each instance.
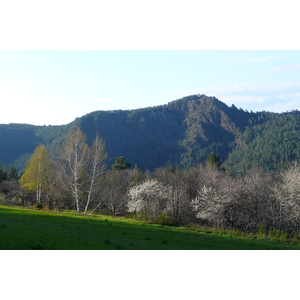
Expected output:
(181, 132)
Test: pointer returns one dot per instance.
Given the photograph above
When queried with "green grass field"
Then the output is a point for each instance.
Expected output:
(24, 229)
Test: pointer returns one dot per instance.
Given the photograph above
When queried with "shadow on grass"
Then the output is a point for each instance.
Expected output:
(38, 230)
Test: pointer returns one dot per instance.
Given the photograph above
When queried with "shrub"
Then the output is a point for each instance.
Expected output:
(261, 232)
(165, 220)
(277, 235)
(294, 238)
(274, 235)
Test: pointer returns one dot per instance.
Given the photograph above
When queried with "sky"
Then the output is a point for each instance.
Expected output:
(60, 60)
(43, 87)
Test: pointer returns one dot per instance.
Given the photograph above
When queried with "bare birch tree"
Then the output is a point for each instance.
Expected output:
(74, 159)
(98, 157)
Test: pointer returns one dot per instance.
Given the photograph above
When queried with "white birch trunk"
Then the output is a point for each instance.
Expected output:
(98, 166)
(38, 185)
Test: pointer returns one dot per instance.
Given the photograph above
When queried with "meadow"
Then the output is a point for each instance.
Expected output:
(27, 229)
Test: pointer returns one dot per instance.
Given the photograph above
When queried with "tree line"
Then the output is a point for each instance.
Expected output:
(206, 194)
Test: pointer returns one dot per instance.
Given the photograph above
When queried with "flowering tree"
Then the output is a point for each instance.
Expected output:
(148, 198)
(222, 206)
(288, 196)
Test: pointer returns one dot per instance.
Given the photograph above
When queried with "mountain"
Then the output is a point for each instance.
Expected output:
(181, 132)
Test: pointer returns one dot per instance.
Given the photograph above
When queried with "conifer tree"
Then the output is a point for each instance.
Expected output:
(120, 164)
(13, 173)
(3, 174)
(214, 162)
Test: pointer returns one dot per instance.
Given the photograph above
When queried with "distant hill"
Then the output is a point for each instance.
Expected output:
(18, 141)
(181, 132)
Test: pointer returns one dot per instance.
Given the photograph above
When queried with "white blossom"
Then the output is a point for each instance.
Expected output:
(147, 198)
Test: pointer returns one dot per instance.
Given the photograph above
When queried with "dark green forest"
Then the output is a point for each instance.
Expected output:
(183, 132)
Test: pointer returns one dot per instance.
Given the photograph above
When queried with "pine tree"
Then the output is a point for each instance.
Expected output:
(214, 161)
(120, 164)
(3, 174)
(13, 173)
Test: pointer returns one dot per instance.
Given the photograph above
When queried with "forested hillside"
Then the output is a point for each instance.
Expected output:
(18, 141)
(182, 132)
(269, 141)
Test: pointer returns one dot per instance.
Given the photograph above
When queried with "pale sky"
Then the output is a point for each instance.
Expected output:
(132, 63)
(55, 87)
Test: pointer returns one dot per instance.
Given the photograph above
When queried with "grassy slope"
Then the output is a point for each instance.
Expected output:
(29, 229)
